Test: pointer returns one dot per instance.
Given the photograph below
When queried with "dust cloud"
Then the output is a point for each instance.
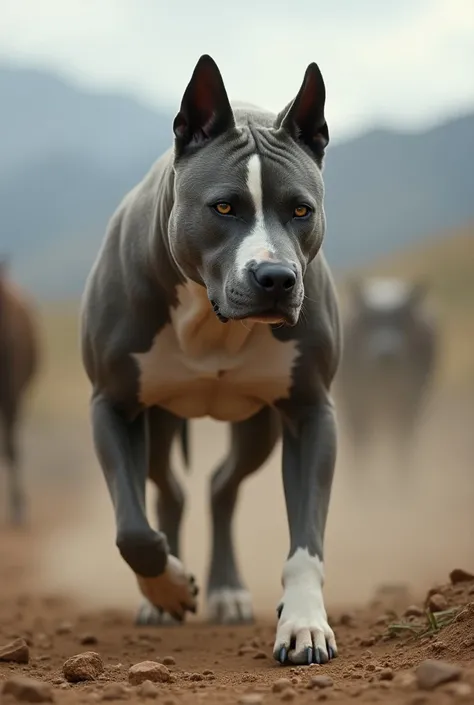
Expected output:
(381, 530)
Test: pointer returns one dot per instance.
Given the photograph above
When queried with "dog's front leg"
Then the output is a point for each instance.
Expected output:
(309, 455)
(121, 447)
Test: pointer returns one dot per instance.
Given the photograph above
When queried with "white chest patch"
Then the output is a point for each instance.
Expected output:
(198, 366)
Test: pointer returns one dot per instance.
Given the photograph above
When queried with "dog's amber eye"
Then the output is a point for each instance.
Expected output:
(301, 211)
(223, 208)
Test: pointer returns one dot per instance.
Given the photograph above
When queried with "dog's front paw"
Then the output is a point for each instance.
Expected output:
(150, 616)
(174, 591)
(303, 633)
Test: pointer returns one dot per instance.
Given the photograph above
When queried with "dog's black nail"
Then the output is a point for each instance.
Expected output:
(309, 655)
(323, 657)
(283, 654)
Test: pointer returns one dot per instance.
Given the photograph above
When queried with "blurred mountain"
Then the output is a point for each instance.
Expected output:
(68, 156)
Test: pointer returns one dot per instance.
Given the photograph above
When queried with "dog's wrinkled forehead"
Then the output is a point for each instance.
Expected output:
(255, 162)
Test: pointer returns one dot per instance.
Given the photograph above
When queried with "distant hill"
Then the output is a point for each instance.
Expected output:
(68, 156)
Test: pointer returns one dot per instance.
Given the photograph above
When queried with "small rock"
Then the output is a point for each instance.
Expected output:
(83, 667)
(114, 691)
(169, 661)
(438, 646)
(288, 695)
(260, 655)
(405, 679)
(148, 690)
(458, 575)
(280, 685)
(346, 620)
(462, 691)
(89, 640)
(246, 650)
(437, 603)
(64, 628)
(368, 641)
(386, 674)
(414, 611)
(251, 699)
(16, 651)
(430, 674)
(196, 677)
(149, 671)
(28, 690)
(321, 682)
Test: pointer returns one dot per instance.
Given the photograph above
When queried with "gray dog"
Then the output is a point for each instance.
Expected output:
(210, 297)
(390, 346)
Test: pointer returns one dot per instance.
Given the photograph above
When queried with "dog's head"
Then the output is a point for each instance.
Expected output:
(248, 211)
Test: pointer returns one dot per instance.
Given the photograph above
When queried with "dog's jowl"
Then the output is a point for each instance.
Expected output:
(210, 297)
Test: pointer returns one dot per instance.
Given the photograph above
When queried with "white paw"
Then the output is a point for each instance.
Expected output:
(303, 633)
(150, 616)
(230, 606)
(174, 591)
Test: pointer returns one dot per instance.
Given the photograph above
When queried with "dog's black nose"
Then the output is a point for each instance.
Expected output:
(274, 278)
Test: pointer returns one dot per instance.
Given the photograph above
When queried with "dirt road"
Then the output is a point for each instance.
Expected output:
(65, 590)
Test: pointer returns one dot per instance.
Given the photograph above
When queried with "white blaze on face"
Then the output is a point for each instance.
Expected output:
(385, 294)
(256, 246)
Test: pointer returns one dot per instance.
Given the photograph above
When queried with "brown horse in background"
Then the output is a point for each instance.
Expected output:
(18, 366)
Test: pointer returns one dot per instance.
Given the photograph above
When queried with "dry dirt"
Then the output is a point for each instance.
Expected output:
(64, 589)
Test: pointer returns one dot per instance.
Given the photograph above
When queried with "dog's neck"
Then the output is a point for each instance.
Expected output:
(199, 331)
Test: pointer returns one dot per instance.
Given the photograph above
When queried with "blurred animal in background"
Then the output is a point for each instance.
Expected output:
(388, 364)
(18, 366)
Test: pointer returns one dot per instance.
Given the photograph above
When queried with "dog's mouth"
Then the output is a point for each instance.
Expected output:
(271, 316)
(215, 308)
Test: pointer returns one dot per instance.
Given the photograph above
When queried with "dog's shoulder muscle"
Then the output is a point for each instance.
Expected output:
(124, 279)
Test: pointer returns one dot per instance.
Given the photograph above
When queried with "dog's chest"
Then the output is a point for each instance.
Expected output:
(198, 366)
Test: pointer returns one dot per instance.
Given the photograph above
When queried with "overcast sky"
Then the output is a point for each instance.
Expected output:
(404, 62)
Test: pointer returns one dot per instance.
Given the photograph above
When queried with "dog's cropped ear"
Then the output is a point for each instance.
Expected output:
(205, 110)
(304, 118)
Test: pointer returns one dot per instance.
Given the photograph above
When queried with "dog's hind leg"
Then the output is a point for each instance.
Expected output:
(162, 429)
(252, 441)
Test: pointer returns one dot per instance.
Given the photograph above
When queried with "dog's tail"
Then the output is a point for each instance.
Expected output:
(184, 439)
